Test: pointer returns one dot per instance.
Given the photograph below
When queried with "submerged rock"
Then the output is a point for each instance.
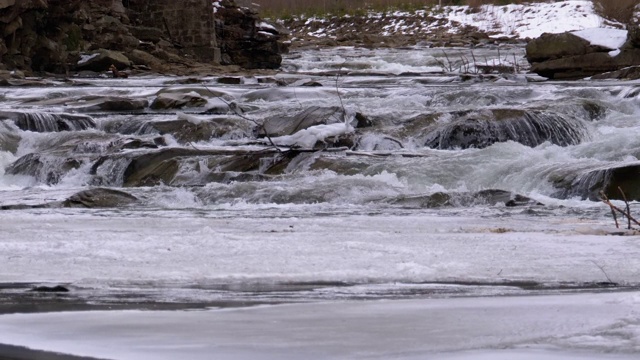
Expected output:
(456, 199)
(89, 199)
(185, 131)
(315, 115)
(178, 101)
(167, 166)
(99, 198)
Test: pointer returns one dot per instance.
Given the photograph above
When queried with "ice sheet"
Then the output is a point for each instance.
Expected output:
(549, 327)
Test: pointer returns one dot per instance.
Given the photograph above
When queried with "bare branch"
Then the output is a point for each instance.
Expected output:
(235, 110)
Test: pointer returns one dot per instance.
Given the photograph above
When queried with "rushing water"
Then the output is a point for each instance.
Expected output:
(404, 182)
(435, 145)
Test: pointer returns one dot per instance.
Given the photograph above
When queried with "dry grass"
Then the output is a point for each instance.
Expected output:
(618, 10)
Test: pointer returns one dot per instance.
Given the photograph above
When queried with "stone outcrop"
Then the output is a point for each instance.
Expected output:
(245, 39)
(588, 184)
(567, 56)
(64, 36)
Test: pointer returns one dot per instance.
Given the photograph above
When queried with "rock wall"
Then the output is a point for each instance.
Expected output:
(188, 23)
(245, 39)
(56, 35)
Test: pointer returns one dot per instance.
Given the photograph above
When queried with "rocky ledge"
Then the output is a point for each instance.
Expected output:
(66, 36)
(569, 56)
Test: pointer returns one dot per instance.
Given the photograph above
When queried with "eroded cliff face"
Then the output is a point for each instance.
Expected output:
(55, 35)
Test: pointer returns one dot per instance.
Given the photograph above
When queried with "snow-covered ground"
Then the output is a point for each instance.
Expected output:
(518, 21)
(528, 20)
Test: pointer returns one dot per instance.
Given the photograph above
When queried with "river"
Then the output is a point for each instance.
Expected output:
(418, 189)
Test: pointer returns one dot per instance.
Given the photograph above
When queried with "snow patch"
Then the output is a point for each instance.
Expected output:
(609, 38)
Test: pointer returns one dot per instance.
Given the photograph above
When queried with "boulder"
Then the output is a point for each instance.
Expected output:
(178, 101)
(465, 199)
(479, 129)
(555, 46)
(247, 40)
(567, 56)
(99, 198)
(185, 131)
(315, 115)
(102, 60)
(88, 199)
(6, 3)
(108, 103)
(589, 183)
(628, 73)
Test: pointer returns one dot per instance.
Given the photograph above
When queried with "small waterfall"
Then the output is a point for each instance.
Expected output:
(46, 169)
(109, 171)
(528, 127)
(590, 183)
(49, 122)
(9, 137)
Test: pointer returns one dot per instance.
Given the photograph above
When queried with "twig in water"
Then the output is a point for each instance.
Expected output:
(604, 272)
(338, 92)
(605, 200)
(626, 203)
(475, 63)
(627, 213)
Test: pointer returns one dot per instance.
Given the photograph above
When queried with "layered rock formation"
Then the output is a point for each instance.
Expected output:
(567, 56)
(62, 36)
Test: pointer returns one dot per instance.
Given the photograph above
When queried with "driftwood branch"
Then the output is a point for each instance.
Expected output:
(626, 213)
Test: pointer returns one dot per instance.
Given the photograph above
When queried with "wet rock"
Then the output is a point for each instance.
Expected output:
(566, 56)
(110, 103)
(178, 101)
(45, 168)
(102, 60)
(49, 122)
(50, 289)
(629, 73)
(230, 80)
(9, 138)
(479, 129)
(555, 46)
(166, 166)
(247, 40)
(455, 199)
(315, 115)
(99, 198)
(140, 57)
(281, 126)
(186, 131)
(588, 184)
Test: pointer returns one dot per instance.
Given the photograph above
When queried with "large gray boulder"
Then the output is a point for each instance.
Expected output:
(567, 56)
(101, 60)
(555, 46)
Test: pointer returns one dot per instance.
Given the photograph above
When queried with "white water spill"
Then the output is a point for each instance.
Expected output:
(356, 238)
